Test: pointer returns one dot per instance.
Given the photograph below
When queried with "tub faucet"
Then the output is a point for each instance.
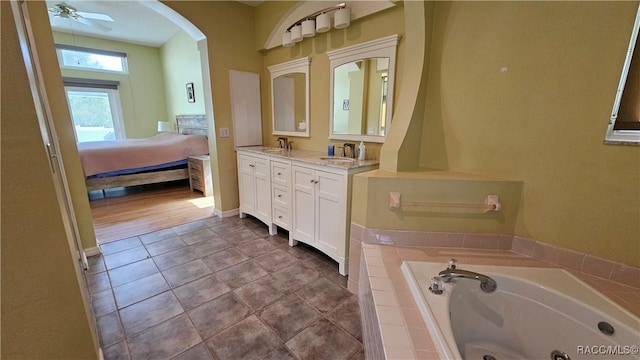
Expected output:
(487, 284)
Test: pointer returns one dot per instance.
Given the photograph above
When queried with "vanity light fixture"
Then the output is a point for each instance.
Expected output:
(319, 21)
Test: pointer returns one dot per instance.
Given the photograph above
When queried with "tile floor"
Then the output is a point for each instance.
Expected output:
(221, 289)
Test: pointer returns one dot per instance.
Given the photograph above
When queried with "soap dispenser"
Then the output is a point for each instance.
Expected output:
(361, 151)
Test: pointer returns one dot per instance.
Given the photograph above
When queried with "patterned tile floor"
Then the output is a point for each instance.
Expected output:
(221, 289)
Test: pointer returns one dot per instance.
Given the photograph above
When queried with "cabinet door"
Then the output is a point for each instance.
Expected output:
(331, 212)
(262, 189)
(247, 184)
(303, 204)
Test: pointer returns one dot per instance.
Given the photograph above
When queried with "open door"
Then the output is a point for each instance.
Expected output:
(50, 142)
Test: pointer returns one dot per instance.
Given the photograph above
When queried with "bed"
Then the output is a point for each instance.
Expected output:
(159, 158)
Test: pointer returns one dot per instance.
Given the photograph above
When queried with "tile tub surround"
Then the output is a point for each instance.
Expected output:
(403, 332)
(221, 289)
(602, 270)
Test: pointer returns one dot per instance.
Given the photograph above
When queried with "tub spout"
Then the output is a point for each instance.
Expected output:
(487, 284)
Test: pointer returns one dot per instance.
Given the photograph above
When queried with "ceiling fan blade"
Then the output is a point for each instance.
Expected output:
(95, 16)
(94, 24)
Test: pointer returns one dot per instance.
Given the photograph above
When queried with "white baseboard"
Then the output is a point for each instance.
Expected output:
(93, 251)
(225, 214)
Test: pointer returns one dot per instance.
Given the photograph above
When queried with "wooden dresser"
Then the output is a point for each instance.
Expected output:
(200, 174)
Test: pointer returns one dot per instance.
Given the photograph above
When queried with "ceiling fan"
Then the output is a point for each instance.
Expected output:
(65, 10)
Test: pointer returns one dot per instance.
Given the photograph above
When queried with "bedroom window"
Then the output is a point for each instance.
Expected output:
(91, 59)
(95, 112)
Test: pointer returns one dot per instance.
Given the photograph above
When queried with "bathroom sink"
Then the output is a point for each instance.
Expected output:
(273, 150)
(344, 160)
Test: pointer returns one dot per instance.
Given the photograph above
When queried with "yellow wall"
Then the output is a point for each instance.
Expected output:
(524, 90)
(371, 200)
(141, 91)
(181, 65)
(229, 28)
(371, 27)
(43, 316)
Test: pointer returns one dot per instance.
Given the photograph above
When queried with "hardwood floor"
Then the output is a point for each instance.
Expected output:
(125, 212)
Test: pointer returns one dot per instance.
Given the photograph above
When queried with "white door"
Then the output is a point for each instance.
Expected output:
(247, 185)
(50, 139)
(303, 204)
(330, 212)
(263, 189)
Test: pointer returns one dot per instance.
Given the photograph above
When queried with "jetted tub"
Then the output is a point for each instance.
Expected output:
(535, 313)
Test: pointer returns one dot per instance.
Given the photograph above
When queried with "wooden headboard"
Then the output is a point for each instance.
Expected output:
(192, 124)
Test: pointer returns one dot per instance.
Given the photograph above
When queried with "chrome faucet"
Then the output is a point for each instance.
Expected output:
(284, 143)
(487, 284)
(351, 152)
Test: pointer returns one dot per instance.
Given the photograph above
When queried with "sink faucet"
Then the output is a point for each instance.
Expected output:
(487, 284)
(283, 143)
(351, 152)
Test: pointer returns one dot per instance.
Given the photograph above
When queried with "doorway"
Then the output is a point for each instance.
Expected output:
(129, 211)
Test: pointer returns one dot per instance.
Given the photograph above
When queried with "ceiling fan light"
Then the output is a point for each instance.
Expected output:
(296, 33)
(308, 28)
(286, 39)
(323, 23)
(342, 18)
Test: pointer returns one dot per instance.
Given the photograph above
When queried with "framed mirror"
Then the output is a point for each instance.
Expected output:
(290, 98)
(361, 85)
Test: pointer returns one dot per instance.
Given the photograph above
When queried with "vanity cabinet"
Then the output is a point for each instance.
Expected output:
(301, 192)
(281, 193)
(254, 178)
(320, 210)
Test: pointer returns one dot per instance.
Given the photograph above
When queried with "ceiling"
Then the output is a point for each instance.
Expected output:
(133, 22)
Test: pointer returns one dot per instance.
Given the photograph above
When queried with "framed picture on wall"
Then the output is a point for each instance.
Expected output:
(191, 95)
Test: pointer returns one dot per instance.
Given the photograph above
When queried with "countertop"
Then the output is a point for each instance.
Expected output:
(312, 157)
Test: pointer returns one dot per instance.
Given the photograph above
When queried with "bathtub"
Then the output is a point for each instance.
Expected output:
(535, 313)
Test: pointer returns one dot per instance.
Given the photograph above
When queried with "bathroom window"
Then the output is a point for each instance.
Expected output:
(624, 125)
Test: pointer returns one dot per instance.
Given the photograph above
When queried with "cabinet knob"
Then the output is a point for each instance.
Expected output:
(279, 216)
(311, 181)
(251, 165)
(316, 181)
(279, 195)
(279, 174)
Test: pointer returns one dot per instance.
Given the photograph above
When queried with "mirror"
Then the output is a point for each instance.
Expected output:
(360, 97)
(362, 90)
(290, 98)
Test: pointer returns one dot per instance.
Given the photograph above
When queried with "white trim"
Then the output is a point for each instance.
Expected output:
(365, 49)
(621, 137)
(114, 103)
(92, 251)
(294, 66)
(615, 136)
(226, 214)
(383, 47)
